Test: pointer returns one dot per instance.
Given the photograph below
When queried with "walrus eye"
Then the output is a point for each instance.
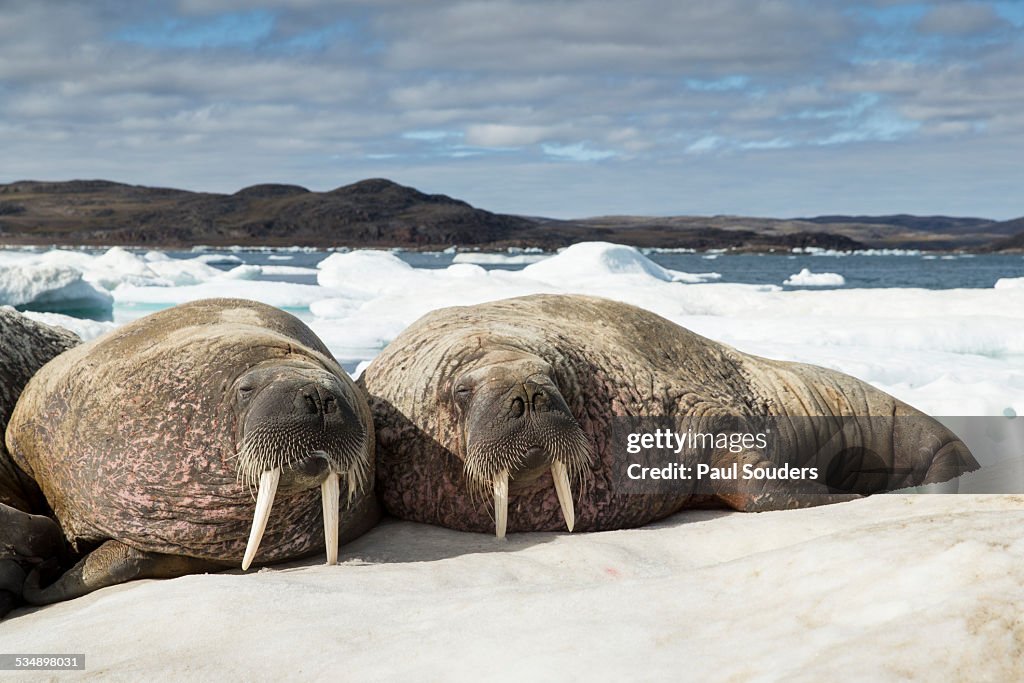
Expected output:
(245, 391)
(462, 392)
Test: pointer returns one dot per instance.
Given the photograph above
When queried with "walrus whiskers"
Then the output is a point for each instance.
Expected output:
(255, 454)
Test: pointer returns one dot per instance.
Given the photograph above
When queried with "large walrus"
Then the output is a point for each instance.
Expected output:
(520, 400)
(150, 442)
(28, 536)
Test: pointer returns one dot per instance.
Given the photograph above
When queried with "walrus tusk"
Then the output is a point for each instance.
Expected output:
(264, 501)
(561, 476)
(330, 496)
(500, 503)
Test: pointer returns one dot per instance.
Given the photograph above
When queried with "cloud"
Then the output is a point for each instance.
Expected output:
(506, 135)
(577, 152)
(962, 19)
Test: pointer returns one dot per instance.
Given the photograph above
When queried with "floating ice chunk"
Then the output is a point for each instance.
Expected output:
(119, 265)
(590, 260)
(805, 278)
(180, 272)
(243, 272)
(1010, 283)
(360, 368)
(219, 259)
(56, 288)
(365, 270)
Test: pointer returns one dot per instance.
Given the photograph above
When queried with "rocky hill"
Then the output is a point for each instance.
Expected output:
(371, 212)
(381, 213)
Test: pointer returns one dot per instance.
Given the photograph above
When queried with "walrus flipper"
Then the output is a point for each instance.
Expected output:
(26, 541)
(763, 495)
(110, 564)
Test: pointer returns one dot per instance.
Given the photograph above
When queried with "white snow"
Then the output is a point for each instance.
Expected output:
(805, 278)
(889, 588)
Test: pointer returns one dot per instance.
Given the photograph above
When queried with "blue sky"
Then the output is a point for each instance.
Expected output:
(568, 109)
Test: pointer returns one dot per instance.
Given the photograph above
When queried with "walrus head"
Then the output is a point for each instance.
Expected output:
(515, 426)
(298, 428)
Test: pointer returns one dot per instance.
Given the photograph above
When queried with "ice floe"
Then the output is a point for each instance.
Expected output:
(805, 278)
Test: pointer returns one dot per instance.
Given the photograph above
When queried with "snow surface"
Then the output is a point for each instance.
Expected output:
(892, 587)
(805, 278)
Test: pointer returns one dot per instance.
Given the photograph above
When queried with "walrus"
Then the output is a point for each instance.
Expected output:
(151, 443)
(520, 400)
(28, 536)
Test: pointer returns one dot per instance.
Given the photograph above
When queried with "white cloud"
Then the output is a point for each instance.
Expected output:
(506, 135)
(577, 152)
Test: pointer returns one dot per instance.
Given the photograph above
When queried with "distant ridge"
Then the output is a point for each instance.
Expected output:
(381, 213)
(373, 212)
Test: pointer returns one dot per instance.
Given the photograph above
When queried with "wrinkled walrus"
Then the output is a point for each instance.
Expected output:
(521, 400)
(151, 442)
(28, 536)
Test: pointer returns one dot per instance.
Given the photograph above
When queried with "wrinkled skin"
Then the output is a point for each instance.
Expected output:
(515, 385)
(28, 537)
(149, 442)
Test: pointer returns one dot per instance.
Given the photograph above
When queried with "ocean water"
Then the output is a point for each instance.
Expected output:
(945, 334)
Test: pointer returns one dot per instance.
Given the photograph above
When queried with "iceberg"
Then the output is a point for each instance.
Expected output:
(55, 288)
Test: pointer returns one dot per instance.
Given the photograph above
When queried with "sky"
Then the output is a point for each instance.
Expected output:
(566, 109)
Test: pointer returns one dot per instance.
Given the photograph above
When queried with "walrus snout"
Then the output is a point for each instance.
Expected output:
(298, 429)
(516, 427)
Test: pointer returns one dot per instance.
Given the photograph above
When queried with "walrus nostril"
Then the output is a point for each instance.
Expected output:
(330, 405)
(311, 405)
(518, 407)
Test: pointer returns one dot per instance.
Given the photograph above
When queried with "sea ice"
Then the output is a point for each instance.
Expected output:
(46, 287)
(805, 278)
(1010, 283)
